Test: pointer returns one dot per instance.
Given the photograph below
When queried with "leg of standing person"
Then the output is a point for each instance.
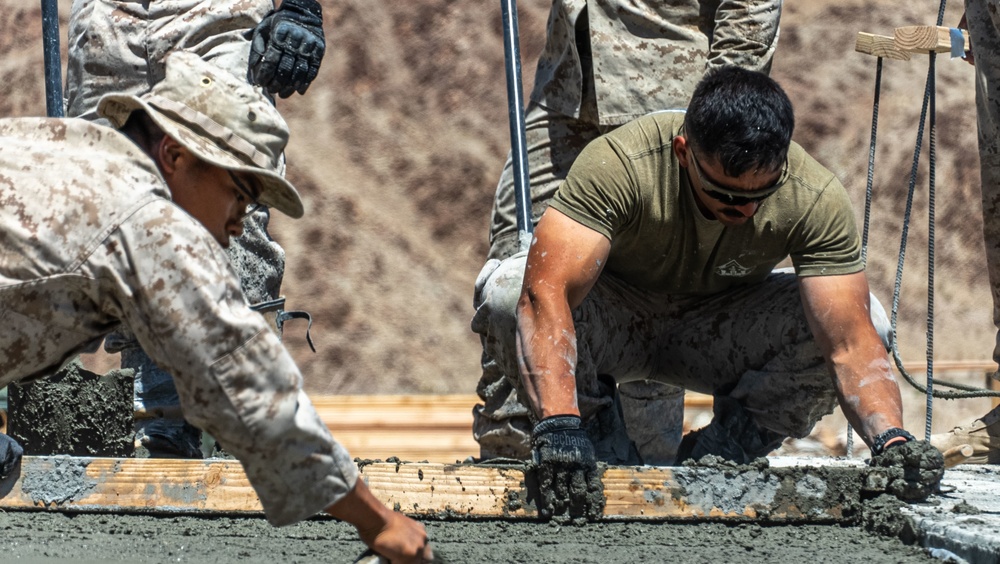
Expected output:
(984, 31)
(119, 47)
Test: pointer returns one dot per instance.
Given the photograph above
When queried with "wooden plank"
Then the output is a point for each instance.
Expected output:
(926, 38)
(438, 490)
(879, 46)
(129, 484)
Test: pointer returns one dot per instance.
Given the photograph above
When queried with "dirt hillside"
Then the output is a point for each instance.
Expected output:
(398, 145)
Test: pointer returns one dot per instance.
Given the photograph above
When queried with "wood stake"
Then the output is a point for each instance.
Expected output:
(926, 38)
(879, 46)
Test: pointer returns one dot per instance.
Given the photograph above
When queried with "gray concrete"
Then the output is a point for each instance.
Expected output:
(962, 522)
(965, 518)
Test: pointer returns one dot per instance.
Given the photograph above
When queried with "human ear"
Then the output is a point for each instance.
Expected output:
(679, 145)
(168, 153)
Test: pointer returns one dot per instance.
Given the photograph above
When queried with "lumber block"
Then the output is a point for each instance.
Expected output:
(879, 46)
(827, 493)
(926, 38)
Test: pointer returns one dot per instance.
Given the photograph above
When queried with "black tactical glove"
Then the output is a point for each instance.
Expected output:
(916, 469)
(287, 47)
(568, 479)
(10, 455)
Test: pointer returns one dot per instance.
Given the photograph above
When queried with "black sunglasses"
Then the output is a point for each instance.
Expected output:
(733, 197)
(254, 205)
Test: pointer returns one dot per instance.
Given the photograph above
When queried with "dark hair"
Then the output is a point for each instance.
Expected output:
(142, 130)
(741, 118)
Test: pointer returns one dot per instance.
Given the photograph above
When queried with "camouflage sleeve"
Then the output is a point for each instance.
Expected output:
(746, 34)
(234, 377)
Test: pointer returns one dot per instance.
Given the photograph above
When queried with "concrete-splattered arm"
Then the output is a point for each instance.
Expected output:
(564, 262)
(838, 311)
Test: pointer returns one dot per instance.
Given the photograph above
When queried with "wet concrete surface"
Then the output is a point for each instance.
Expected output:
(43, 537)
(965, 517)
(74, 411)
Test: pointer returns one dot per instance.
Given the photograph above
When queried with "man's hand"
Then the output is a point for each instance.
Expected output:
(394, 536)
(917, 469)
(401, 540)
(568, 479)
(287, 47)
(10, 455)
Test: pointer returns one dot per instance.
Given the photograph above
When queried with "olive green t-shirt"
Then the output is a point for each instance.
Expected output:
(628, 186)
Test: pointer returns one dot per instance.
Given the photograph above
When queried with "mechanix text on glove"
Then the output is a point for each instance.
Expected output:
(287, 47)
(569, 481)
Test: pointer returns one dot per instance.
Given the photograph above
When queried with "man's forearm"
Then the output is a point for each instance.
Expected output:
(868, 391)
(546, 348)
(361, 509)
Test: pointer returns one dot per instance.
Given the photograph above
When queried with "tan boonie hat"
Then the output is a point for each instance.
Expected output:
(220, 118)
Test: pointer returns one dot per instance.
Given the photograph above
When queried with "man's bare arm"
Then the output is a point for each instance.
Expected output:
(837, 308)
(564, 262)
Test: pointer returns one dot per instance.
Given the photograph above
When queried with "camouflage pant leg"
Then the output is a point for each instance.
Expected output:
(984, 28)
(553, 143)
(654, 419)
(503, 425)
(118, 46)
(752, 344)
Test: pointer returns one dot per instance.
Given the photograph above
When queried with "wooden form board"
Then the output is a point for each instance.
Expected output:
(131, 485)
(908, 39)
(432, 428)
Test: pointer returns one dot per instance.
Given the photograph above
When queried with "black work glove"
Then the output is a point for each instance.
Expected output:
(10, 455)
(287, 47)
(916, 469)
(568, 478)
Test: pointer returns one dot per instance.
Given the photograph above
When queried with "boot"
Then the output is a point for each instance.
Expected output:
(983, 434)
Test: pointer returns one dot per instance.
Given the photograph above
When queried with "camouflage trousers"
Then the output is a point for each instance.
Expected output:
(553, 142)
(751, 345)
(984, 29)
(119, 46)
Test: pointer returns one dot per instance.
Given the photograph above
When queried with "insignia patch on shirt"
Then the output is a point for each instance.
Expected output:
(732, 269)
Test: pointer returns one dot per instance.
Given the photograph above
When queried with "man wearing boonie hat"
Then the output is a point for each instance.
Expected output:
(102, 227)
(119, 46)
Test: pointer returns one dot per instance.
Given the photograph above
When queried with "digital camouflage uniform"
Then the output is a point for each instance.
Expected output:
(119, 46)
(687, 301)
(983, 21)
(984, 31)
(605, 63)
(91, 239)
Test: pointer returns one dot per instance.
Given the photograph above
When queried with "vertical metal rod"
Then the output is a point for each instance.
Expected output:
(53, 62)
(515, 111)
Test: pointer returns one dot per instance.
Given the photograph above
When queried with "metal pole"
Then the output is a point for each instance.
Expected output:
(515, 111)
(53, 63)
